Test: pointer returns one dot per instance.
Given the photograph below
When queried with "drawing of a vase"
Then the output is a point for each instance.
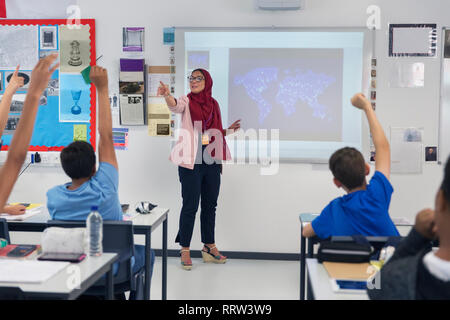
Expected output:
(76, 95)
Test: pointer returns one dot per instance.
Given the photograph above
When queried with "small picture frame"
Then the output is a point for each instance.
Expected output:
(373, 95)
(431, 154)
(373, 73)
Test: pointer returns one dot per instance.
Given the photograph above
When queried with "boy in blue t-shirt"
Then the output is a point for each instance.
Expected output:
(364, 210)
(73, 200)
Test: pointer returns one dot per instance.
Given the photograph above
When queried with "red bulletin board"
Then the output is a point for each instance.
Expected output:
(65, 126)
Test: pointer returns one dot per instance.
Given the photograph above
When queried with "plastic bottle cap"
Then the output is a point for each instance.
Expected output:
(94, 208)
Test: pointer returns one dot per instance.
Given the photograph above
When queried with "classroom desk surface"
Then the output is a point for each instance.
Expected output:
(91, 270)
(307, 246)
(320, 285)
(143, 224)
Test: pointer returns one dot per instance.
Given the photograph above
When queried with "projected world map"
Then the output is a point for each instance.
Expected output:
(293, 86)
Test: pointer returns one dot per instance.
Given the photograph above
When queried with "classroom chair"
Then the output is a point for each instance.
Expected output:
(4, 232)
(118, 238)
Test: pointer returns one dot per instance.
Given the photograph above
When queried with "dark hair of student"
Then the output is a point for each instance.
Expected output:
(78, 160)
(348, 166)
(446, 183)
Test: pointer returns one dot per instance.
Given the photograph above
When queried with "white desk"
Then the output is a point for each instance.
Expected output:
(90, 270)
(143, 224)
(319, 283)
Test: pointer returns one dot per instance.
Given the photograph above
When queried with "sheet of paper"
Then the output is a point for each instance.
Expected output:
(75, 99)
(169, 36)
(120, 138)
(79, 132)
(159, 119)
(29, 271)
(75, 49)
(407, 75)
(157, 74)
(28, 214)
(131, 76)
(19, 45)
(154, 80)
(133, 39)
(406, 150)
(132, 109)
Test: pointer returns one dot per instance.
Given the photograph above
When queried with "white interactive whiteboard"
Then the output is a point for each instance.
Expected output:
(295, 80)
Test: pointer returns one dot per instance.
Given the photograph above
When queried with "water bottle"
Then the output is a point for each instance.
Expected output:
(94, 225)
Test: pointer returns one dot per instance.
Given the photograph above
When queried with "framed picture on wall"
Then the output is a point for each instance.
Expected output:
(412, 40)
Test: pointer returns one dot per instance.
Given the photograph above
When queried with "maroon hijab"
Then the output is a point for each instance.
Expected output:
(205, 109)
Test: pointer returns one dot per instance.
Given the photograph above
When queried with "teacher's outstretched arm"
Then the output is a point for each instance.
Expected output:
(163, 90)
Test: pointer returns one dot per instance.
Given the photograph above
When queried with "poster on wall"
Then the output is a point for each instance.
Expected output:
(412, 40)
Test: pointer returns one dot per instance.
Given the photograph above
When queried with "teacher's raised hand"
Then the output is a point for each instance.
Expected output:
(163, 89)
(235, 126)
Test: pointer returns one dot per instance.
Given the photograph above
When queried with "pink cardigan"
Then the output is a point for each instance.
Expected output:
(184, 152)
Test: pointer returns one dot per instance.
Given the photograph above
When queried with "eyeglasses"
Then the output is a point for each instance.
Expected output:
(197, 79)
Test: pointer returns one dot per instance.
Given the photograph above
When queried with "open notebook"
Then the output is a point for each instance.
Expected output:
(32, 209)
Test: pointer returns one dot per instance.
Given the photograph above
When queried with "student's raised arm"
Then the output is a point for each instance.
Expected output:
(15, 83)
(106, 152)
(382, 148)
(19, 145)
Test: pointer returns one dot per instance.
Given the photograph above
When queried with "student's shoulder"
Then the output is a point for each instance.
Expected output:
(57, 189)
(380, 178)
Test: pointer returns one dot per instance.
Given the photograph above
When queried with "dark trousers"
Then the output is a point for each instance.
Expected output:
(201, 183)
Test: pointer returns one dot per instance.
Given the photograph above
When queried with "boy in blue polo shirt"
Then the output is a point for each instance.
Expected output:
(364, 210)
(73, 200)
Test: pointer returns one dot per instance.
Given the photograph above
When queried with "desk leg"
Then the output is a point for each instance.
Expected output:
(164, 261)
(109, 284)
(148, 247)
(302, 266)
(310, 291)
(310, 254)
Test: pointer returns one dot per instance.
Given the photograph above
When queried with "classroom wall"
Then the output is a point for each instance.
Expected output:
(258, 213)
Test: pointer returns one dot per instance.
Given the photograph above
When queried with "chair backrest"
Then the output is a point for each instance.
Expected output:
(4, 233)
(117, 238)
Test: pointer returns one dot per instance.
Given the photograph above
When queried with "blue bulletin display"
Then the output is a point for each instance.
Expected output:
(67, 109)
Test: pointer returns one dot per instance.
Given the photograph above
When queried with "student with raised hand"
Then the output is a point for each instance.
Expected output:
(415, 271)
(18, 148)
(90, 187)
(5, 104)
(364, 210)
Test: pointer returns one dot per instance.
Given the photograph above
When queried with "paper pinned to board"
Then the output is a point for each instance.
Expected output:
(157, 74)
(159, 119)
(132, 109)
(407, 75)
(406, 150)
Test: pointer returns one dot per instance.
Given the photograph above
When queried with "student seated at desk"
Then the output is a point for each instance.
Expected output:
(20, 142)
(364, 210)
(88, 188)
(14, 84)
(415, 271)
